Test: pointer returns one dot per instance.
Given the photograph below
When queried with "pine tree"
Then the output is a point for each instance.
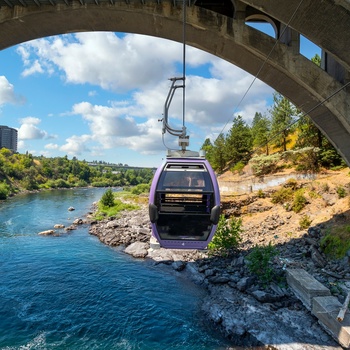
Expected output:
(261, 126)
(239, 142)
(283, 114)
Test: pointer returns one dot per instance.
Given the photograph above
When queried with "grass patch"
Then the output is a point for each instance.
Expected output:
(127, 196)
(112, 208)
(336, 242)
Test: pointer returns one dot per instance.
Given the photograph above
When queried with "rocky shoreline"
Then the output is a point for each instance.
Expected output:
(247, 312)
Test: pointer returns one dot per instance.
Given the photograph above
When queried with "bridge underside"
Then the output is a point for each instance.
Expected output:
(221, 29)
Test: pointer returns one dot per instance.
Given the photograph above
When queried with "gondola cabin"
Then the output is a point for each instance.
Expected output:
(184, 203)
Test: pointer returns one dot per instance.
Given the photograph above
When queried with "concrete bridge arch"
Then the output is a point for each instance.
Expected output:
(221, 30)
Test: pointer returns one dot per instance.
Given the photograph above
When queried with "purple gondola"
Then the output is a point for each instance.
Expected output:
(184, 203)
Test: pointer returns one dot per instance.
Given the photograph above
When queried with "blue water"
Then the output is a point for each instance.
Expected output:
(73, 292)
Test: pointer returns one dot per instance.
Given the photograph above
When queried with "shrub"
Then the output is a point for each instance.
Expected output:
(305, 159)
(140, 188)
(282, 195)
(238, 167)
(304, 222)
(291, 183)
(325, 187)
(227, 236)
(259, 261)
(107, 198)
(262, 165)
(4, 190)
(299, 201)
(341, 192)
(261, 193)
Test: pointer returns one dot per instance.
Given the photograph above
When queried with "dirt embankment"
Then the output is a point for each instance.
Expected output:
(327, 204)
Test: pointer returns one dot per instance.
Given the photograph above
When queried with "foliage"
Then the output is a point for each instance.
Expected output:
(336, 242)
(341, 192)
(299, 201)
(304, 222)
(304, 159)
(31, 173)
(279, 129)
(261, 128)
(5, 190)
(107, 199)
(282, 117)
(141, 188)
(262, 165)
(238, 167)
(227, 236)
(282, 195)
(291, 183)
(218, 161)
(261, 193)
(239, 142)
(259, 262)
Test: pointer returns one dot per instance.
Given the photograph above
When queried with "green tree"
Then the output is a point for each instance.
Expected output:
(261, 126)
(209, 149)
(107, 198)
(218, 160)
(239, 142)
(283, 114)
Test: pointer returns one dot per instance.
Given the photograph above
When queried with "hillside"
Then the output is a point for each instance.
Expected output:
(327, 204)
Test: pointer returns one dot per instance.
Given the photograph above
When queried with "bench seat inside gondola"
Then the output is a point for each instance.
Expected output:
(184, 215)
(184, 202)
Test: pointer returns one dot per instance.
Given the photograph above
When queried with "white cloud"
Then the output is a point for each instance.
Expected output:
(103, 59)
(7, 92)
(76, 145)
(29, 130)
(34, 68)
(52, 146)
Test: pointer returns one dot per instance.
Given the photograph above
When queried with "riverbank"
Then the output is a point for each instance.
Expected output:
(247, 311)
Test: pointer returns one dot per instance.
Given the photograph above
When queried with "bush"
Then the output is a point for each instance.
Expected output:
(227, 236)
(141, 188)
(341, 192)
(238, 167)
(305, 222)
(4, 190)
(305, 159)
(263, 165)
(107, 198)
(281, 196)
(259, 261)
(299, 201)
(291, 183)
(261, 193)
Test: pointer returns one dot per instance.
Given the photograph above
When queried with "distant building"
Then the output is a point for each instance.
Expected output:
(8, 138)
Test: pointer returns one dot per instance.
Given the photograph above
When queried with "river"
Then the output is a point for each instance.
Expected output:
(73, 292)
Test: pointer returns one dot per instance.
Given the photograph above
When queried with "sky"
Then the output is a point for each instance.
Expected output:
(100, 96)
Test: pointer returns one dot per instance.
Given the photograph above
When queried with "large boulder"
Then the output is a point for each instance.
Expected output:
(137, 249)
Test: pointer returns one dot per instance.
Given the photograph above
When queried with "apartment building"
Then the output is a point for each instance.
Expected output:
(8, 138)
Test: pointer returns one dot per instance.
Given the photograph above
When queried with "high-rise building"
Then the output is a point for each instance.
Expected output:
(8, 138)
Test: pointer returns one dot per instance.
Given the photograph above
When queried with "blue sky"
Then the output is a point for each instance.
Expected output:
(99, 96)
